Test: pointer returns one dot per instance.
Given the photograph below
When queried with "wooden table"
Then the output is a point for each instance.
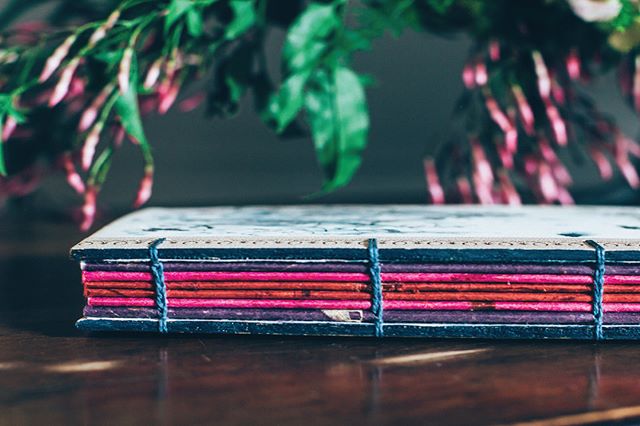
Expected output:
(52, 374)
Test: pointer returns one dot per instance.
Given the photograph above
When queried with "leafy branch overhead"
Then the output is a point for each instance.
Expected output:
(72, 90)
(100, 76)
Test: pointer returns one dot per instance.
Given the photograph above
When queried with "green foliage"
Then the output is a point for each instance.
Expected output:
(176, 42)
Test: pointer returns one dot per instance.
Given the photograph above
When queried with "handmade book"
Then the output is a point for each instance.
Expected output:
(419, 271)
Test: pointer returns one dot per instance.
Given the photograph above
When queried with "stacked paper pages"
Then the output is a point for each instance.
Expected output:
(453, 271)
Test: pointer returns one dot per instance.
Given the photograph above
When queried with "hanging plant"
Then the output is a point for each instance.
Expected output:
(73, 91)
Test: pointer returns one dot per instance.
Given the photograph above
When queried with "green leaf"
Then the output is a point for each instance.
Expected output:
(288, 100)
(175, 11)
(339, 122)
(100, 168)
(3, 166)
(319, 107)
(109, 57)
(6, 108)
(194, 23)
(232, 77)
(305, 41)
(440, 6)
(244, 17)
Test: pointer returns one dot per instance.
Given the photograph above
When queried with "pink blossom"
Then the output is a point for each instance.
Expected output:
(62, 87)
(464, 188)
(433, 182)
(602, 163)
(629, 172)
(636, 84)
(90, 114)
(119, 136)
(544, 82)
(192, 102)
(482, 165)
(54, 61)
(90, 144)
(506, 156)
(124, 72)
(468, 76)
(558, 93)
(167, 95)
(499, 117)
(73, 178)
(524, 110)
(557, 124)
(573, 64)
(494, 50)
(482, 77)
(88, 209)
(596, 10)
(530, 165)
(145, 188)
(482, 188)
(548, 185)
(564, 197)
(561, 173)
(153, 74)
(9, 126)
(76, 87)
(509, 192)
(101, 31)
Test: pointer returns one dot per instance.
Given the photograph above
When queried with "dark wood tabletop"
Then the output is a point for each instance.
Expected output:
(50, 373)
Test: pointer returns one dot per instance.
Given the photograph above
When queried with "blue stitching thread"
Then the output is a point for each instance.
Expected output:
(157, 271)
(376, 290)
(598, 288)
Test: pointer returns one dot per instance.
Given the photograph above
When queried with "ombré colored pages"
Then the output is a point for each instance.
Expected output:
(393, 270)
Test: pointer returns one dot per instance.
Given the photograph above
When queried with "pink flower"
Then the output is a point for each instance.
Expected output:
(564, 197)
(494, 50)
(54, 61)
(153, 74)
(636, 85)
(88, 209)
(144, 191)
(468, 76)
(602, 163)
(192, 102)
(506, 156)
(509, 192)
(9, 126)
(573, 64)
(90, 114)
(548, 185)
(482, 77)
(464, 188)
(433, 182)
(557, 124)
(167, 93)
(90, 144)
(62, 87)
(482, 165)
(544, 82)
(73, 178)
(524, 110)
(596, 10)
(101, 31)
(124, 73)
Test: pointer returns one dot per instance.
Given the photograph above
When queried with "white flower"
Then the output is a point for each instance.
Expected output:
(596, 10)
